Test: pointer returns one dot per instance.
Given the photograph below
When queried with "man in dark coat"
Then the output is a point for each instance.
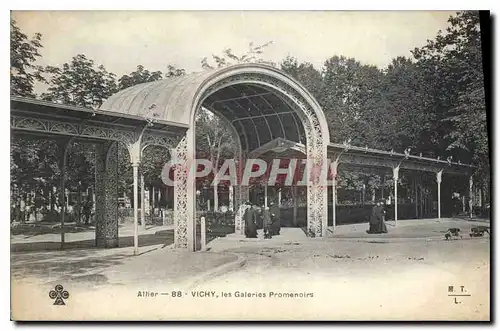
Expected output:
(250, 223)
(374, 218)
(258, 216)
(266, 222)
(275, 219)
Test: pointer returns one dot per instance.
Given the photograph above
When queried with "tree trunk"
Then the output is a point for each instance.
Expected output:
(51, 192)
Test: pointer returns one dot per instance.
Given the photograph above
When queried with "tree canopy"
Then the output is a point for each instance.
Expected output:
(24, 53)
(432, 101)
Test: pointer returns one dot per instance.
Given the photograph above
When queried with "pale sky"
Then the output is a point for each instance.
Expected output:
(120, 40)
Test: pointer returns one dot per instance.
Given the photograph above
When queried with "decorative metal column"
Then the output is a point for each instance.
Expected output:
(185, 193)
(395, 176)
(107, 195)
(471, 184)
(216, 197)
(295, 203)
(180, 195)
(382, 183)
(415, 190)
(439, 175)
(64, 149)
(143, 203)
(265, 194)
(334, 194)
(231, 196)
(135, 167)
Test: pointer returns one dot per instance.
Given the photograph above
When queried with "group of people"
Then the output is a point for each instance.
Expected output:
(266, 218)
(377, 219)
(24, 209)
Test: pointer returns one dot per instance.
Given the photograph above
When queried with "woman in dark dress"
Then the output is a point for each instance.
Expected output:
(382, 228)
(274, 210)
(250, 223)
(374, 219)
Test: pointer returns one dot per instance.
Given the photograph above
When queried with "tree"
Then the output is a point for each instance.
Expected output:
(213, 140)
(174, 72)
(228, 57)
(348, 97)
(458, 88)
(139, 76)
(403, 113)
(80, 83)
(23, 55)
(142, 75)
(305, 73)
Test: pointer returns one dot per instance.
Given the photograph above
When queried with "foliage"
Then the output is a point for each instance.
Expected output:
(80, 83)
(139, 76)
(174, 72)
(457, 80)
(23, 55)
(432, 101)
(142, 75)
(305, 73)
(228, 57)
(214, 140)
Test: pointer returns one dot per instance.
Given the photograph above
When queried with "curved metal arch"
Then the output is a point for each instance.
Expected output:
(260, 112)
(314, 116)
(292, 106)
(165, 141)
(307, 110)
(267, 102)
(311, 115)
(305, 119)
(243, 131)
(238, 150)
(253, 122)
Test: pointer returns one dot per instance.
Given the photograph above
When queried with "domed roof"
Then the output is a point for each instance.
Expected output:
(258, 112)
(167, 98)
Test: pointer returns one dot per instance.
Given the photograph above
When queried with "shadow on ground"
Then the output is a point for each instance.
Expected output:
(42, 265)
(32, 230)
(162, 237)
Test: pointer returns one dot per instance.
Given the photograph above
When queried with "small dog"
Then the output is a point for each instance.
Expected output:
(479, 231)
(452, 232)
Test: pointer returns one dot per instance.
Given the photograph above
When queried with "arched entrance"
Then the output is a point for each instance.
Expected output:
(259, 103)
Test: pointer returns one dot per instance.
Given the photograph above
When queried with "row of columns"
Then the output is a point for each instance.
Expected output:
(439, 175)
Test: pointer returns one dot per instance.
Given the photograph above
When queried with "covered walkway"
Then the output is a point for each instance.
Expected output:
(265, 109)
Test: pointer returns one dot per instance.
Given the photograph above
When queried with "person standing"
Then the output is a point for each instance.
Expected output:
(22, 209)
(382, 228)
(266, 222)
(250, 222)
(374, 218)
(87, 210)
(258, 216)
(275, 219)
(17, 207)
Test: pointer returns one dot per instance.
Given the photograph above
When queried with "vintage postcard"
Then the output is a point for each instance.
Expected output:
(250, 166)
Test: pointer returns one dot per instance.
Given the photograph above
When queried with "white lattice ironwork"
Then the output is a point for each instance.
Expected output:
(84, 130)
(107, 194)
(155, 139)
(316, 144)
(181, 216)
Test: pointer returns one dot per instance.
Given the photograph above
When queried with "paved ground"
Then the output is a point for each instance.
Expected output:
(152, 235)
(418, 228)
(405, 274)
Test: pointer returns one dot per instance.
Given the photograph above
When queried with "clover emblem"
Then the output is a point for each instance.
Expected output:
(59, 294)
